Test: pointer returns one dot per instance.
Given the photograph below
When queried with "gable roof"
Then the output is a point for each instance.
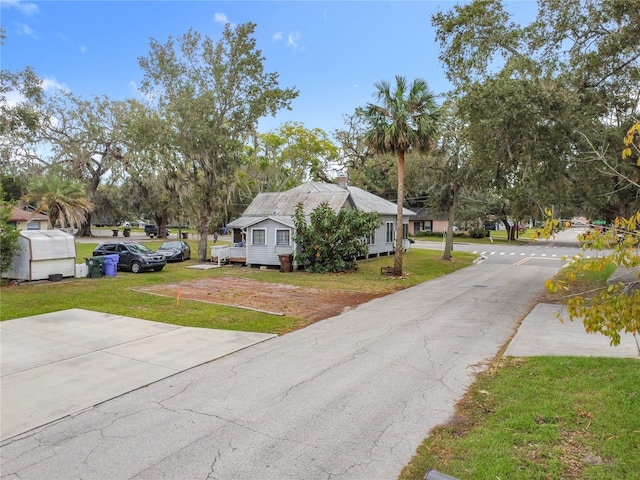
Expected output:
(313, 194)
(248, 221)
(20, 215)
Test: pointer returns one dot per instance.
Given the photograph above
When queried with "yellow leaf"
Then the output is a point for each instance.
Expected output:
(626, 153)
(551, 287)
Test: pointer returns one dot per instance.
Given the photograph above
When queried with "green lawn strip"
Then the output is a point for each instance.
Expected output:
(497, 237)
(587, 283)
(541, 418)
(117, 295)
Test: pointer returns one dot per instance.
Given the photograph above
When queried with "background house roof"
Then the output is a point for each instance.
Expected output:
(20, 215)
(426, 213)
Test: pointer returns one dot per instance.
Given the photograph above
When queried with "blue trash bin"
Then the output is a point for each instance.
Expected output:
(111, 265)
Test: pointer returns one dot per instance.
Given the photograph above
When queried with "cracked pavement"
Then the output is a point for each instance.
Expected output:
(350, 397)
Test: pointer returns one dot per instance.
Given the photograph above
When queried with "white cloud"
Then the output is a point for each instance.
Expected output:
(27, 8)
(25, 29)
(222, 19)
(52, 84)
(83, 49)
(13, 98)
(292, 40)
(135, 90)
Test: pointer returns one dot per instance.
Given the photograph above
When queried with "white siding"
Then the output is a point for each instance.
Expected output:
(381, 246)
(268, 254)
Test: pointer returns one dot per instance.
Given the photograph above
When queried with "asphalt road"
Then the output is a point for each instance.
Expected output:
(350, 397)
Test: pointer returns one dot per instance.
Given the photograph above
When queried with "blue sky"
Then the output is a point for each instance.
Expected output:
(333, 52)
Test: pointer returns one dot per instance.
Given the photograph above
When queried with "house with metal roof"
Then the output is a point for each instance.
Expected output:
(265, 231)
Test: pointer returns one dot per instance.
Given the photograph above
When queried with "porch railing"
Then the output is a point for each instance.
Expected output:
(222, 253)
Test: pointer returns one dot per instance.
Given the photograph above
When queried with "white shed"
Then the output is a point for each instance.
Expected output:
(42, 253)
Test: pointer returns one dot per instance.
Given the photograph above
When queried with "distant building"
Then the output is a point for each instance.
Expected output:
(28, 219)
(426, 220)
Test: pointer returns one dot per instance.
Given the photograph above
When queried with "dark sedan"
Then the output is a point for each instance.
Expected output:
(175, 251)
(132, 256)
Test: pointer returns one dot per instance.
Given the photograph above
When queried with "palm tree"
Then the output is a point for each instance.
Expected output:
(405, 120)
(65, 201)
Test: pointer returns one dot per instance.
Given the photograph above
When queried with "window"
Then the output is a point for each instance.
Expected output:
(258, 237)
(372, 239)
(33, 225)
(283, 237)
(390, 231)
(405, 230)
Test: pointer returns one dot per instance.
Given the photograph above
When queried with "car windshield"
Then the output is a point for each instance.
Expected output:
(138, 247)
(170, 245)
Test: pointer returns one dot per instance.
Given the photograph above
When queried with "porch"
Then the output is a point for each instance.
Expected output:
(225, 254)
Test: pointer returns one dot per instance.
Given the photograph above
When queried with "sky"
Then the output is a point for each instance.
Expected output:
(333, 52)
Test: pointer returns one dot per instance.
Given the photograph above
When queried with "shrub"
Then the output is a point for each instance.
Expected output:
(477, 232)
(331, 242)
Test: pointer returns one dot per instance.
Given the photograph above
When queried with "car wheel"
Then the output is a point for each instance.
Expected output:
(135, 267)
(158, 269)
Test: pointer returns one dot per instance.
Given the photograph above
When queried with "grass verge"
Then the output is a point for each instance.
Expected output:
(551, 418)
(115, 295)
(541, 418)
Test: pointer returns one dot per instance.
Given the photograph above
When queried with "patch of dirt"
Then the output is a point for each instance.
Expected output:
(307, 303)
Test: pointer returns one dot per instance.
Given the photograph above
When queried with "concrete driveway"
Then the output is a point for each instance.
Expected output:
(58, 364)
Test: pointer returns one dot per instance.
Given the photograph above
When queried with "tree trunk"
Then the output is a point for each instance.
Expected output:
(85, 228)
(509, 228)
(203, 230)
(448, 246)
(397, 264)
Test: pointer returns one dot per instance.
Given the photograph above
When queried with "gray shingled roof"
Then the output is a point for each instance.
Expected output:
(247, 221)
(312, 195)
(284, 203)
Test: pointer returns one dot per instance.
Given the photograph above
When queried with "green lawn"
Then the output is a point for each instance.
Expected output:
(496, 236)
(551, 418)
(116, 295)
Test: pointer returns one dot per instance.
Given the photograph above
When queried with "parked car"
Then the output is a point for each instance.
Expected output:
(175, 251)
(133, 256)
(138, 223)
(152, 231)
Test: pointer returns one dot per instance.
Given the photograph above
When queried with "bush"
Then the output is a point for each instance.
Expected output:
(331, 242)
(428, 233)
(477, 232)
